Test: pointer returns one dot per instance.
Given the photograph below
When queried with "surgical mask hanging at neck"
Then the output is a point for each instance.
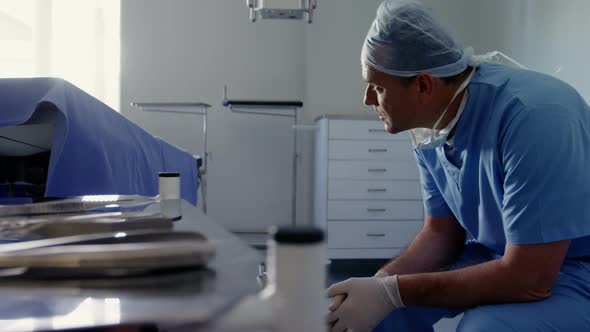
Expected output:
(424, 138)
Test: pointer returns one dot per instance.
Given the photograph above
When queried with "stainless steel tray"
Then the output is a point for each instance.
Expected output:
(32, 227)
(107, 254)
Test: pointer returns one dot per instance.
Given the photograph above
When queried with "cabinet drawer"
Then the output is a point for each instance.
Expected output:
(374, 189)
(377, 170)
(375, 210)
(370, 150)
(362, 129)
(371, 234)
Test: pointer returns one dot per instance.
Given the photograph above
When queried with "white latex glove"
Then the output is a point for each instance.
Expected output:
(368, 301)
(337, 300)
(381, 274)
(331, 320)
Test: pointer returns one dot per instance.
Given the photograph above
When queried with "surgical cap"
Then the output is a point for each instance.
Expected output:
(405, 40)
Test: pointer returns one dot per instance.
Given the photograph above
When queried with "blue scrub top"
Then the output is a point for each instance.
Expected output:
(519, 169)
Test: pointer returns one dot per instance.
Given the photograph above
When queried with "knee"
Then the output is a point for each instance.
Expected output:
(483, 319)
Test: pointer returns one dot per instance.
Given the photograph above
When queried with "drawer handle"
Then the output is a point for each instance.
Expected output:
(375, 234)
(376, 190)
(377, 150)
(375, 170)
(376, 210)
(376, 130)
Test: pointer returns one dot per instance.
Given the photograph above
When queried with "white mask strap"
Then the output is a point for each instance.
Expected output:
(458, 92)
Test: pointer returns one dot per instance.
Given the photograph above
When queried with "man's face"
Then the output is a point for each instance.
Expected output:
(395, 104)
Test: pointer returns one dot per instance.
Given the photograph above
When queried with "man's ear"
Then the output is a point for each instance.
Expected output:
(425, 84)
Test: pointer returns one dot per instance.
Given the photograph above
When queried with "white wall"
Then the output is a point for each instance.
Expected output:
(185, 50)
(333, 72)
(544, 35)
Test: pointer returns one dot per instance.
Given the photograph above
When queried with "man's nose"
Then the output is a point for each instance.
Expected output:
(370, 98)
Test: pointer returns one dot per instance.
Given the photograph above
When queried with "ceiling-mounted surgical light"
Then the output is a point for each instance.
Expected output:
(282, 9)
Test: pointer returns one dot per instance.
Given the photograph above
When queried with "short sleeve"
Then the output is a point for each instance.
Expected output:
(434, 203)
(545, 158)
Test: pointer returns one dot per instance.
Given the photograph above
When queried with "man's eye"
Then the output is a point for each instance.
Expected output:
(378, 89)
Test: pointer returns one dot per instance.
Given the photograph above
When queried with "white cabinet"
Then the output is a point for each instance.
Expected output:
(367, 193)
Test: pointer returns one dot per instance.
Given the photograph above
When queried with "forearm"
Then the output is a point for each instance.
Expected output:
(488, 283)
(430, 251)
